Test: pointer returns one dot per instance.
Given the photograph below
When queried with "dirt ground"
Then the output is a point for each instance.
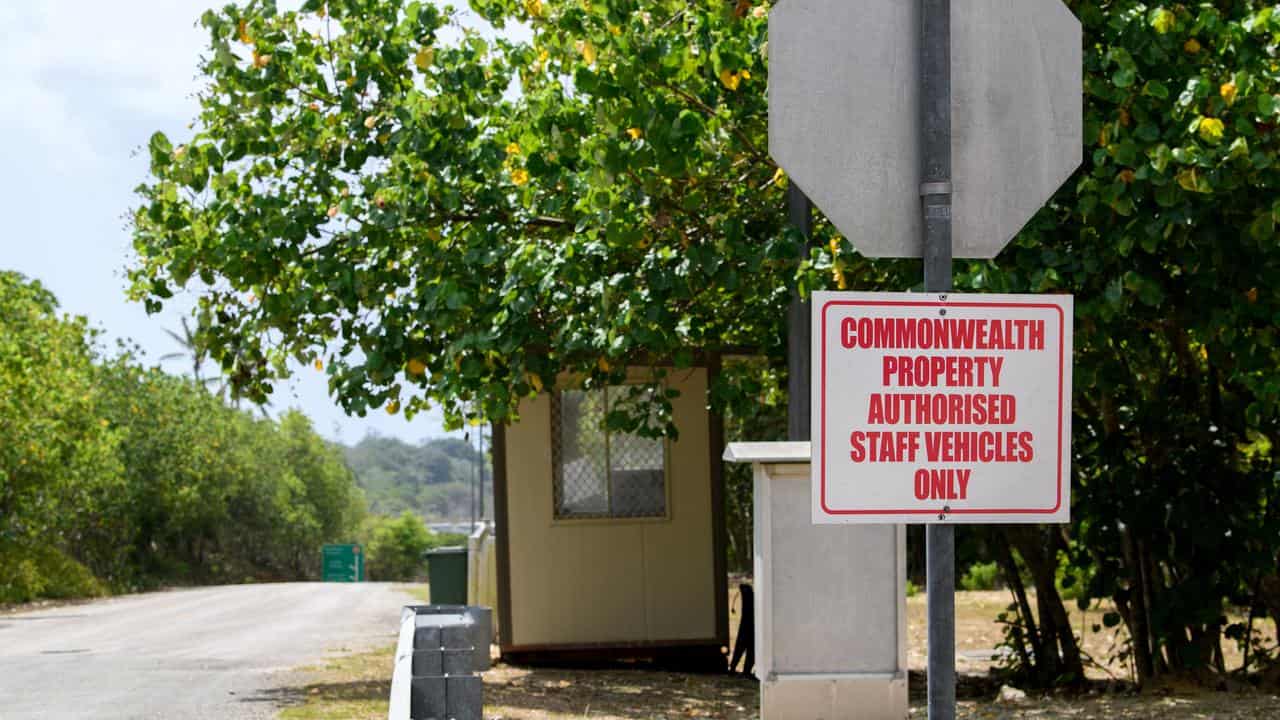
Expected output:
(514, 693)
(356, 686)
(978, 635)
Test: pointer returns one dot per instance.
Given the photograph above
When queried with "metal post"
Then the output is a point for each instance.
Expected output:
(799, 329)
(935, 193)
(471, 486)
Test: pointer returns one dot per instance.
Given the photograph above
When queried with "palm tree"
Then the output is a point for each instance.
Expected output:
(198, 354)
(192, 349)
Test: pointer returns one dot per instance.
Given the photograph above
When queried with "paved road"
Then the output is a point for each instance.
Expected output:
(212, 653)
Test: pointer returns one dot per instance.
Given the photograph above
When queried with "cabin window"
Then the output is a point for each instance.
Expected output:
(601, 474)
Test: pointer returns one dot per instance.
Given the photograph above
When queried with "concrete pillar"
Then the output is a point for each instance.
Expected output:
(831, 611)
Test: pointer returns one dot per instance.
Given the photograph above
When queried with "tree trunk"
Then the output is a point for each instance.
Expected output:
(1150, 577)
(1000, 542)
(1139, 632)
(1061, 657)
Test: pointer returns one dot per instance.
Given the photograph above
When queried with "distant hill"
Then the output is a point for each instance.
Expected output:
(433, 479)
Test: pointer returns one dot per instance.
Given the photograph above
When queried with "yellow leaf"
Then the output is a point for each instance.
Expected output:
(242, 29)
(536, 382)
(1252, 295)
(513, 148)
(588, 51)
(779, 177)
(417, 367)
(729, 79)
(1163, 21)
(615, 30)
(519, 176)
(393, 407)
(1188, 180)
(1228, 92)
(635, 133)
(1211, 129)
(424, 58)
(1192, 46)
(745, 74)
(319, 364)
(260, 60)
(533, 7)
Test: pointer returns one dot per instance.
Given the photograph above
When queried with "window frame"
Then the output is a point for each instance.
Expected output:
(557, 518)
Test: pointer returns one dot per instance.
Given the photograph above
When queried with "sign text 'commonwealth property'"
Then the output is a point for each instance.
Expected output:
(941, 408)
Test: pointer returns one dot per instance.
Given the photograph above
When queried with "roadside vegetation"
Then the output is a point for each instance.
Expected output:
(117, 477)
(395, 547)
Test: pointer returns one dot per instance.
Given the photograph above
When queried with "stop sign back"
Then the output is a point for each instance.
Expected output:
(941, 408)
(844, 113)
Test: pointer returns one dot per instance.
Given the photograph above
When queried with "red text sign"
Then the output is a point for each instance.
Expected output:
(941, 408)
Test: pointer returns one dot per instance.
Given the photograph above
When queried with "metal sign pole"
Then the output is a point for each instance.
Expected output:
(799, 328)
(935, 193)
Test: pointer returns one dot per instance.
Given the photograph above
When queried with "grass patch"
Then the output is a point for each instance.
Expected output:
(417, 590)
(354, 687)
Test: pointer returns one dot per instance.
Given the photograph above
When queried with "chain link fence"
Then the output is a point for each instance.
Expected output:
(598, 474)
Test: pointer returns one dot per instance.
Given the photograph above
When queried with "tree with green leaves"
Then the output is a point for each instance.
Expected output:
(453, 218)
(458, 222)
(1167, 237)
(58, 463)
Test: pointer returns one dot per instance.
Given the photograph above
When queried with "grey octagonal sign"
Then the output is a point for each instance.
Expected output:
(844, 118)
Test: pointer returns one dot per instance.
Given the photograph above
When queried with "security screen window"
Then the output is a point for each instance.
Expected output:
(601, 474)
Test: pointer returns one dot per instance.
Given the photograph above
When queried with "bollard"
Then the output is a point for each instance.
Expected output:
(442, 648)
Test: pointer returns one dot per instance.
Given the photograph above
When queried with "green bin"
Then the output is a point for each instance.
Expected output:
(447, 575)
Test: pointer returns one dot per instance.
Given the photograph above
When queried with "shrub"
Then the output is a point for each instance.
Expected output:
(395, 547)
(29, 572)
(981, 576)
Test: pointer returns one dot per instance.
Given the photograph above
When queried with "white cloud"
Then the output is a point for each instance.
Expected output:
(73, 65)
(86, 82)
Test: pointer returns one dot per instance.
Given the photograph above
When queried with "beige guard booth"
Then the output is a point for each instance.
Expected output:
(613, 586)
(831, 609)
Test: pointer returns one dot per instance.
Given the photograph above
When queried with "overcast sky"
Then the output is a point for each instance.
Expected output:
(86, 83)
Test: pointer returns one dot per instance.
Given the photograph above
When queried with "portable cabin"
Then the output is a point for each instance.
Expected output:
(609, 544)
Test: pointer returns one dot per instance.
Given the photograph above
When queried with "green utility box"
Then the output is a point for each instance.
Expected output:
(342, 563)
(447, 575)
